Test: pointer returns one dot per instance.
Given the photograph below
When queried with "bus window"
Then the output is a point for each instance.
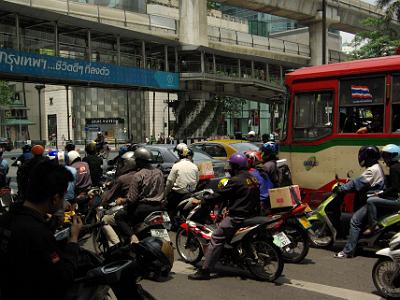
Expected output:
(361, 105)
(312, 115)
(396, 104)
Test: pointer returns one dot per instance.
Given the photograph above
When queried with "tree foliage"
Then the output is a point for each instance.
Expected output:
(381, 40)
(213, 5)
(231, 105)
(6, 93)
(391, 7)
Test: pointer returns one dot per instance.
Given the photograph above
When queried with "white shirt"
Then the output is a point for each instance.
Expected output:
(183, 177)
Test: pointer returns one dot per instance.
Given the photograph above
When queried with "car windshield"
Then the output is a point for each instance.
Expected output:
(242, 147)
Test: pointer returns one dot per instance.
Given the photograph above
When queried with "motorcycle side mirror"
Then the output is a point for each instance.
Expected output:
(349, 174)
(336, 177)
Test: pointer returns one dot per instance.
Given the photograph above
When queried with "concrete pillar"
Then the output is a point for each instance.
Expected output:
(193, 27)
(316, 45)
(316, 35)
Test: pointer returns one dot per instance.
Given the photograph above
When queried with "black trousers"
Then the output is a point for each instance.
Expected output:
(131, 215)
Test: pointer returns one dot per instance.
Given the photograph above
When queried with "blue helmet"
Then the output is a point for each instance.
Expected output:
(123, 150)
(269, 148)
(52, 154)
(391, 153)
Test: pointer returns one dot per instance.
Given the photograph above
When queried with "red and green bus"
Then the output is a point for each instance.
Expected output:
(332, 110)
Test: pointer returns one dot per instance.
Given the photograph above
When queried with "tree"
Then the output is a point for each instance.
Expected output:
(6, 93)
(213, 5)
(381, 40)
(391, 7)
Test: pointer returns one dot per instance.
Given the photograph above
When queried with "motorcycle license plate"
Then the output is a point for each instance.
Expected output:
(160, 233)
(304, 222)
(281, 240)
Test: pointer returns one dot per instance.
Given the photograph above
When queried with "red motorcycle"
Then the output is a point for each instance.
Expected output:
(295, 225)
(252, 247)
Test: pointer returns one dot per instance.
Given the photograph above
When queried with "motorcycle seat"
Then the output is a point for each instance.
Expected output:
(260, 220)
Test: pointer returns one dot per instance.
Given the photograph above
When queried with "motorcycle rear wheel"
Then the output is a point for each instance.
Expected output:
(188, 247)
(300, 246)
(320, 235)
(269, 265)
(381, 273)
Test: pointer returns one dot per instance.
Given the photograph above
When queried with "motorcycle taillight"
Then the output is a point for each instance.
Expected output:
(275, 225)
(157, 220)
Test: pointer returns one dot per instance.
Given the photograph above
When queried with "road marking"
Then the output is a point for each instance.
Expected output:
(186, 269)
(328, 290)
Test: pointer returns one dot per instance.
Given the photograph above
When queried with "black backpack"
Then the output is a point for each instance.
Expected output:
(284, 175)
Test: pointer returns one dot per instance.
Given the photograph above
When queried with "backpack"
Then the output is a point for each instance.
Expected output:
(284, 174)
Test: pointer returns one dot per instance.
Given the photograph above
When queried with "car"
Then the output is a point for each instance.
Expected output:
(223, 149)
(165, 156)
(6, 143)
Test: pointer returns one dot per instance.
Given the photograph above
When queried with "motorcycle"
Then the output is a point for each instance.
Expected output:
(295, 226)
(324, 233)
(155, 224)
(386, 270)
(120, 269)
(251, 248)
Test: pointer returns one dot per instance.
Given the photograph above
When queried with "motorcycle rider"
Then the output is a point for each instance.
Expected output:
(241, 194)
(95, 164)
(24, 170)
(389, 197)
(269, 152)
(118, 193)
(255, 169)
(83, 178)
(69, 147)
(182, 179)
(32, 266)
(372, 179)
(26, 155)
(100, 141)
(145, 195)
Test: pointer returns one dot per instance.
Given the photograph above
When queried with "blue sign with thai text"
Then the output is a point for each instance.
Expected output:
(53, 67)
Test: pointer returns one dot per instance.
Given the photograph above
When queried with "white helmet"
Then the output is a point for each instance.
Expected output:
(181, 146)
(251, 133)
(72, 155)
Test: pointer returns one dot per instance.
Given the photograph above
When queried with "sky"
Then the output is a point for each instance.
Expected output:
(347, 37)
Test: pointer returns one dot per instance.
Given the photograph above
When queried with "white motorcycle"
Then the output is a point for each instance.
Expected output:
(386, 271)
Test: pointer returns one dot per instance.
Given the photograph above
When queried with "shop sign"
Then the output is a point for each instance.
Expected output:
(52, 67)
(104, 121)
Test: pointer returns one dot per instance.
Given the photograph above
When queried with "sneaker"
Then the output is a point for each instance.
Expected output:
(341, 254)
(201, 274)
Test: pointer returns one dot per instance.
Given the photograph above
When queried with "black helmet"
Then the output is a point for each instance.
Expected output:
(143, 155)
(368, 156)
(26, 148)
(157, 255)
(90, 148)
(69, 147)
(126, 164)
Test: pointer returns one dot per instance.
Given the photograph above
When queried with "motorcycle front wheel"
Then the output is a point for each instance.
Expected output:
(268, 265)
(320, 234)
(382, 271)
(188, 247)
(299, 247)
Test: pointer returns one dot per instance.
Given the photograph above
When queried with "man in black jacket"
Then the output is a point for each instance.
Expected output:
(389, 197)
(95, 164)
(32, 266)
(241, 194)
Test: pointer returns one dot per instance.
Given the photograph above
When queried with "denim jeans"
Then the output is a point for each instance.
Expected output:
(356, 225)
(374, 202)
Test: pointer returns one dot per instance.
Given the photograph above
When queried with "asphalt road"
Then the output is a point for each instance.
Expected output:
(320, 276)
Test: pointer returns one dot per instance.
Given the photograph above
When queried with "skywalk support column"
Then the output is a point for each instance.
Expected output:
(316, 29)
(193, 28)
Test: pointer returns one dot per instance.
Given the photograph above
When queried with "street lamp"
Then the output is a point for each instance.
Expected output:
(39, 88)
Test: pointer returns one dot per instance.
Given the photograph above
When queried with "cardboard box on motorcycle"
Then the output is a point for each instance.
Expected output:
(287, 196)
